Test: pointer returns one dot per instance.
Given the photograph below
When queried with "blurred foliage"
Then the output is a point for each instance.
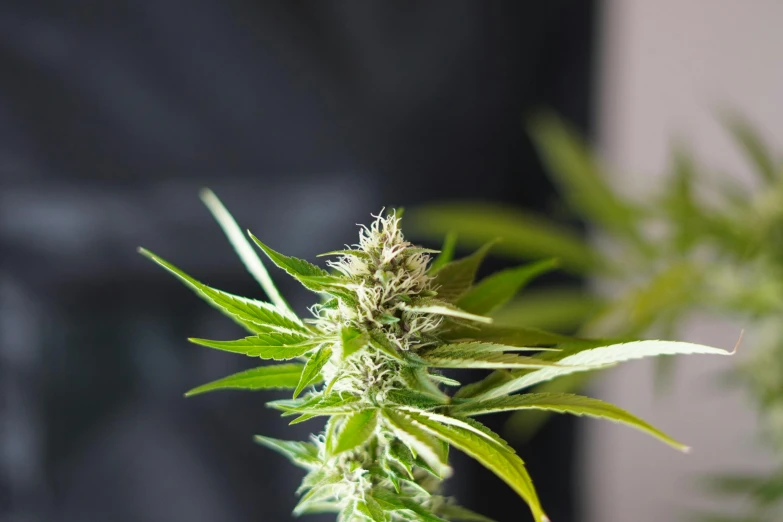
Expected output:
(703, 243)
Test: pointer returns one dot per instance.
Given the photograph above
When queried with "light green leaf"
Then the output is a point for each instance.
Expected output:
(263, 377)
(563, 403)
(278, 346)
(356, 430)
(317, 405)
(256, 316)
(495, 290)
(245, 251)
(372, 510)
(524, 235)
(299, 269)
(312, 370)
(433, 306)
(446, 253)
(499, 459)
(418, 441)
(455, 278)
(555, 309)
(392, 502)
(508, 335)
(596, 358)
(304, 454)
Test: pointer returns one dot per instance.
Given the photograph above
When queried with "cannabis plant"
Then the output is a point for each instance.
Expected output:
(700, 243)
(369, 358)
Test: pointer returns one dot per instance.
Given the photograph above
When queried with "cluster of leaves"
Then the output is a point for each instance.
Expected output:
(370, 361)
(703, 243)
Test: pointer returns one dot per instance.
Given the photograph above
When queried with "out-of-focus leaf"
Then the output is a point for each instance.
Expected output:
(569, 160)
(524, 236)
(556, 309)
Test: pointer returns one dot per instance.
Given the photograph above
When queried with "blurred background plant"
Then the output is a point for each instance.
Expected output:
(703, 243)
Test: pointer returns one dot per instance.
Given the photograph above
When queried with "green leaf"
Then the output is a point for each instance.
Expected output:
(418, 441)
(563, 403)
(580, 358)
(499, 459)
(752, 146)
(256, 316)
(244, 250)
(299, 269)
(316, 405)
(570, 161)
(356, 430)
(379, 341)
(278, 346)
(524, 235)
(372, 510)
(495, 290)
(399, 453)
(424, 401)
(455, 278)
(263, 377)
(304, 454)
(471, 355)
(433, 306)
(312, 370)
(446, 253)
(392, 502)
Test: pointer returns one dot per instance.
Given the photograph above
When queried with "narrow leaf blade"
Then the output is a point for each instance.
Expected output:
(564, 403)
(280, 376)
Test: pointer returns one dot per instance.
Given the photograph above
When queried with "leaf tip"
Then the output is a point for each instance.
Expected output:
(206, 194)
(739, 341)
(686, 449)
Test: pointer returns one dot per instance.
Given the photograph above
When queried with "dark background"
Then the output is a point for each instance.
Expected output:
(304, 117)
